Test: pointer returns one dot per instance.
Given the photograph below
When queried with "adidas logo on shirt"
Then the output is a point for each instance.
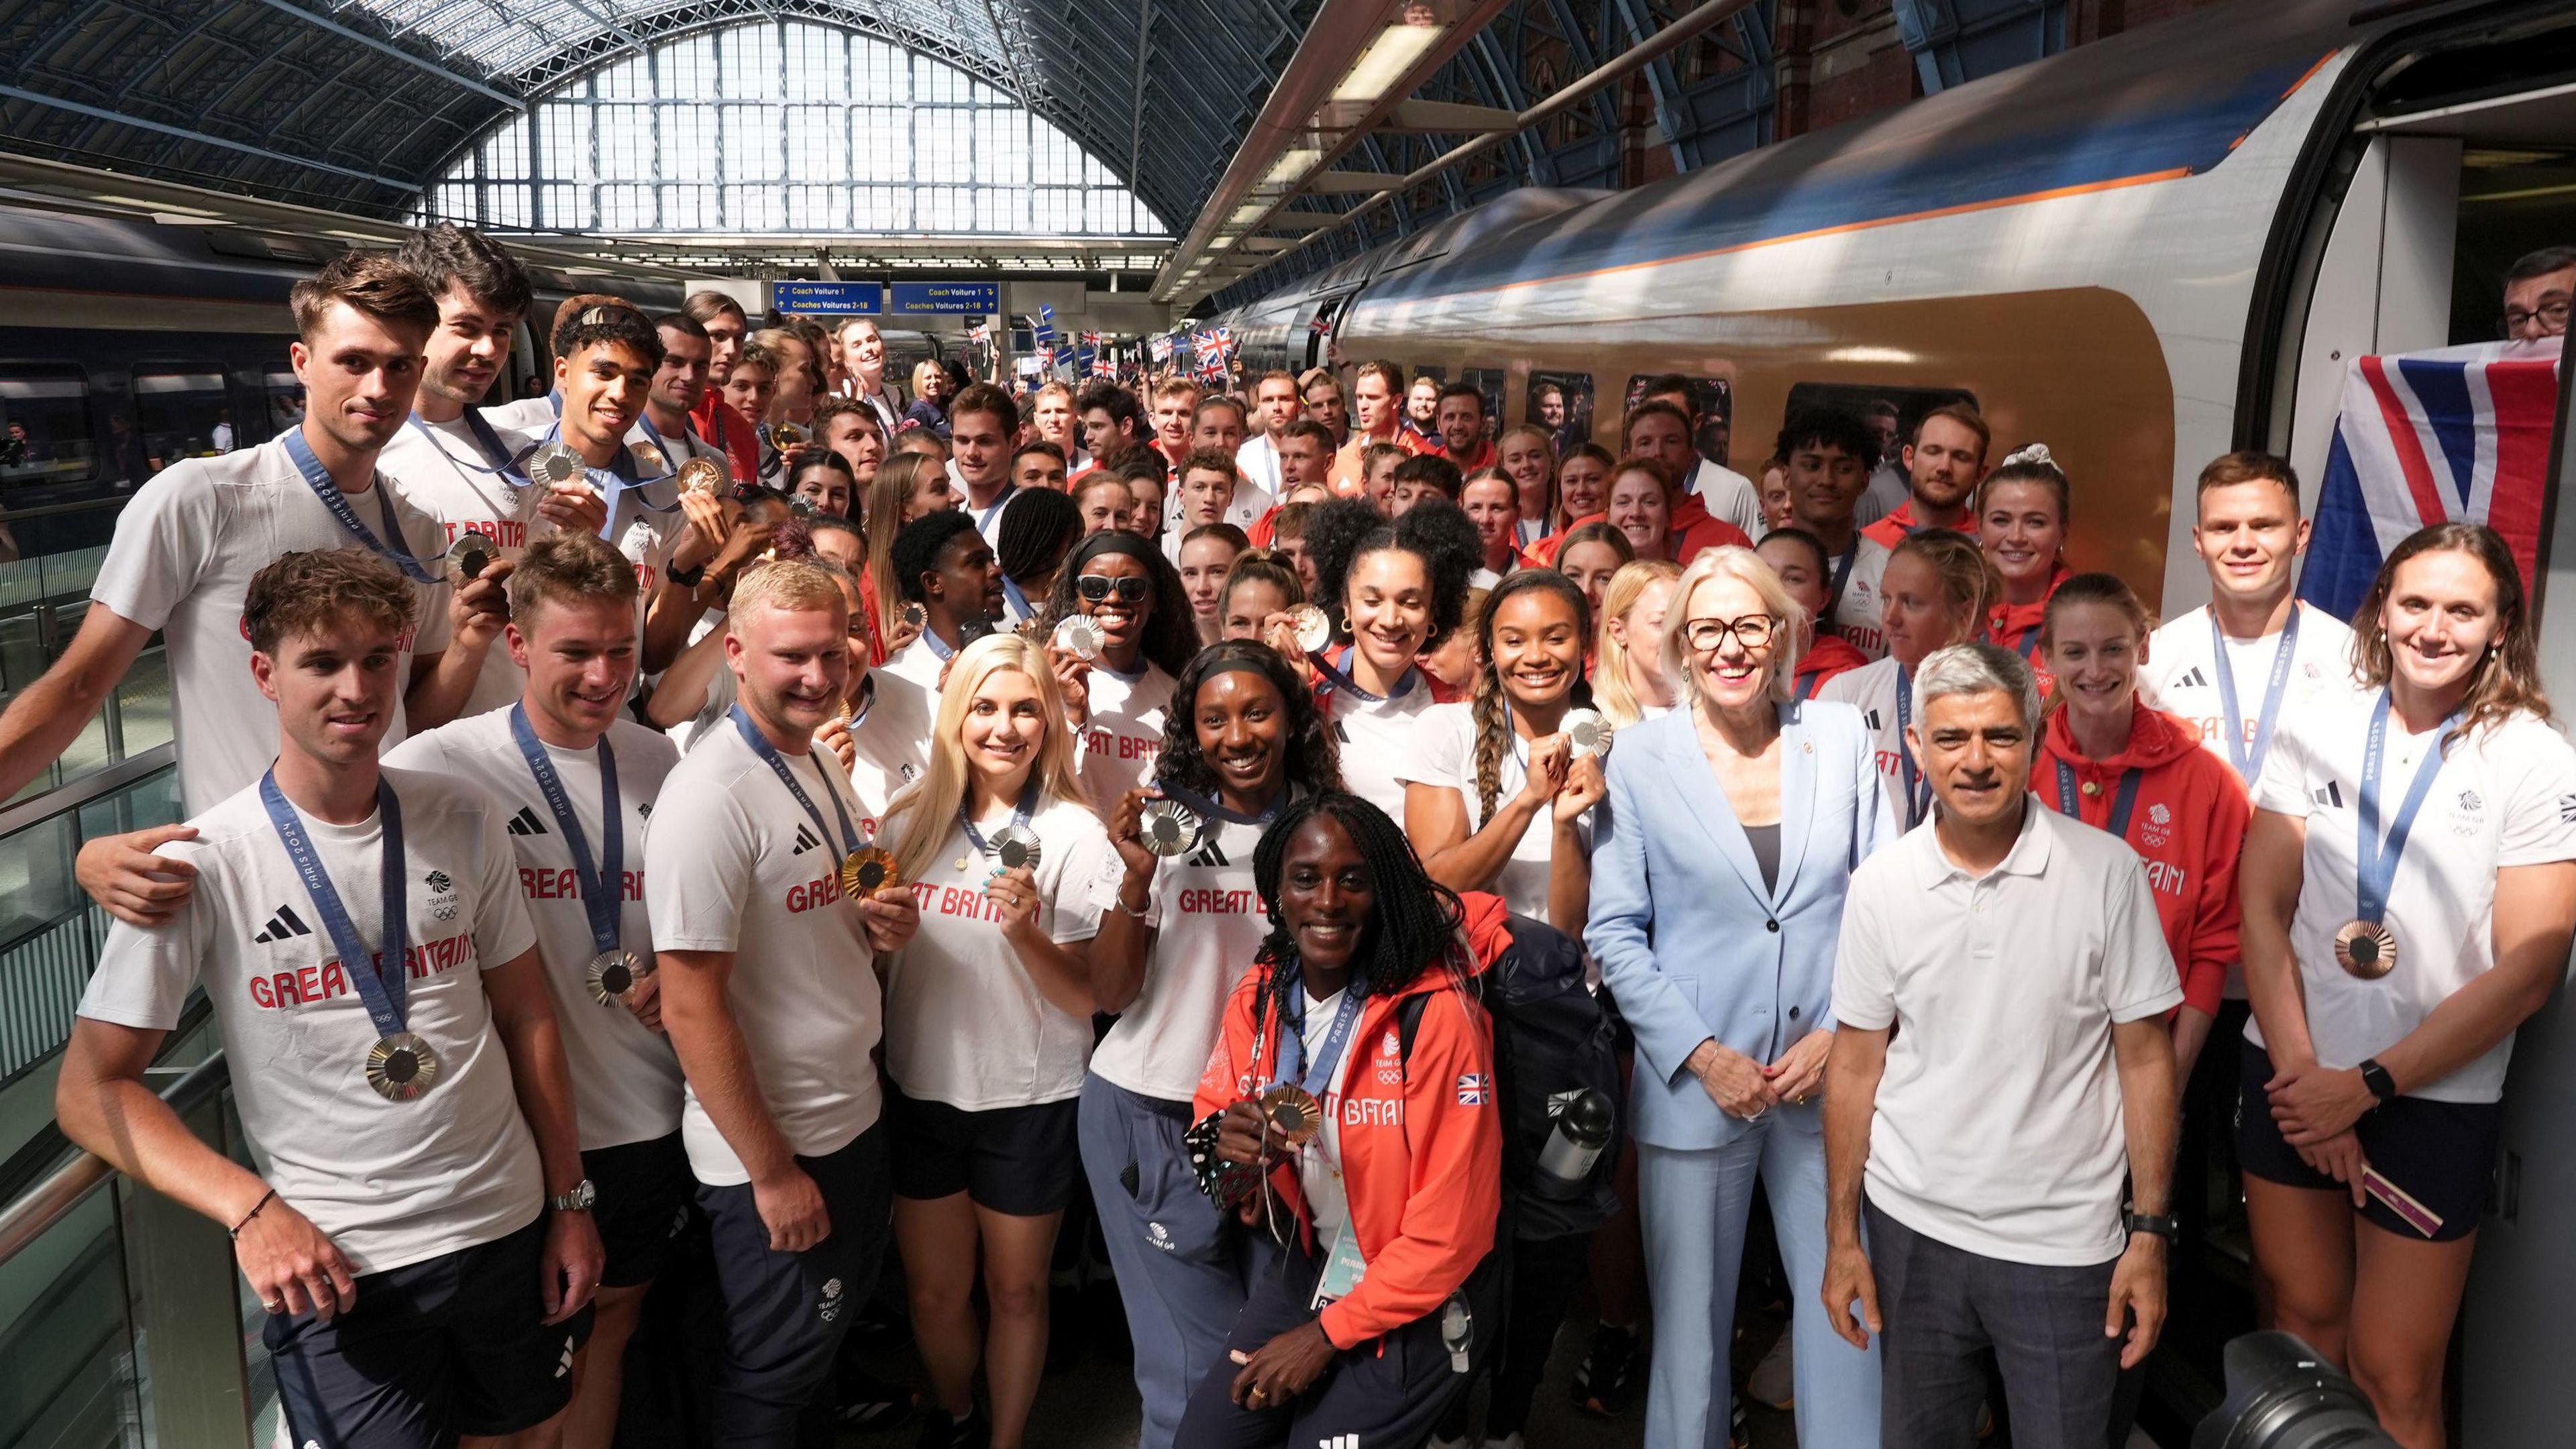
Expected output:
(285, 925)
(526, 823)
(2331, 796)
(1210, 855)
(805, 841)
(1871, 715)
(563, 1365)
(2192, 678)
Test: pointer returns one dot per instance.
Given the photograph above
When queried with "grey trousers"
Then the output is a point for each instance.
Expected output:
(1943, 1306)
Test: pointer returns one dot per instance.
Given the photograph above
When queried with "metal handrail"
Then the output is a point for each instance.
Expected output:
(36, 1211)
(107, 779)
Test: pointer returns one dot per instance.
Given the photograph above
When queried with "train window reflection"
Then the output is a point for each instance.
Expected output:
(1712, 402)
(286, 401)
(1561, 402)
(184, 410)
(1489, 381)
(45, 434)
(1893, 411)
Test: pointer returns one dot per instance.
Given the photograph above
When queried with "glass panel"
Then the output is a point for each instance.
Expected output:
(185, 413)
(1894, 411)
(1561, 402)
(45, 429)
(1712, 398)
(68, 1343)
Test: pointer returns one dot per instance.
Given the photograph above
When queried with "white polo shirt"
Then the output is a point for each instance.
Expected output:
(1380, 742)
(1208, 924)
(1997, 1128)
(181, 562)
(733, 863)
(2180, 677)
(2506, 796)
(1258, 461)
(1123, 734)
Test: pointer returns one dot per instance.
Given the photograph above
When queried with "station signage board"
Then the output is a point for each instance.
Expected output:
(848, 299)
(982, 299)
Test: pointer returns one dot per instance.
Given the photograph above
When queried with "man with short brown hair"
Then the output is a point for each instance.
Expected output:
(1378, 392)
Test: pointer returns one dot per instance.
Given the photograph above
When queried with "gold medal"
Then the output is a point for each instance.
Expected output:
(2092, 787)
(1314, 630)
(648, 459)
(784, 436)
(554, 464)
(866, 871)
(401, 1067)
(613, 974)
(472, 553)
(1293, 1113)
(701, 475)
(2366, 950)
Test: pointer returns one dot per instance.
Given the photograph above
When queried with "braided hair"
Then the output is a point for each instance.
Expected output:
(1412, 927)
(1039, 528)
(1492, 705)
(1309, 761)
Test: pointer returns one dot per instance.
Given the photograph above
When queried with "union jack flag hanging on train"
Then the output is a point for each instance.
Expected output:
(2457, 433)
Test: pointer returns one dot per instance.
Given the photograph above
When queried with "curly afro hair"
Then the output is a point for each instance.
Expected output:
(1342, 532)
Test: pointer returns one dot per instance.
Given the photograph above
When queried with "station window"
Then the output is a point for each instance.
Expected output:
(285, 402)
(1488, 381)
(45, 427)
(1712, 399)
(185, 412)
(1561, 402)
(1894, 411)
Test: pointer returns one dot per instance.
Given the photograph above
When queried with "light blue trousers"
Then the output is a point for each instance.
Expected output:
(1694, 1205)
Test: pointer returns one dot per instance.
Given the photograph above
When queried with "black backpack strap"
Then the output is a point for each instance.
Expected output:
(1408, 1020)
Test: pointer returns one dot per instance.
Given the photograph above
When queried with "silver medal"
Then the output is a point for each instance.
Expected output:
(1587, 732)
(1168, 827)
(1078, 636)
(555, 464)
(613, 974)
(1015, 846)
(472, 553)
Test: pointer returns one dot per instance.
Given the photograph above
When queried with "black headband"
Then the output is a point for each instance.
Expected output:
(1113, 540)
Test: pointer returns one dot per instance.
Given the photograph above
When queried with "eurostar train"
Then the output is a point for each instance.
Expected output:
(2143, 252)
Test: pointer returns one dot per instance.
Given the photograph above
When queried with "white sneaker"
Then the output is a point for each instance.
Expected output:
(1775, 1379)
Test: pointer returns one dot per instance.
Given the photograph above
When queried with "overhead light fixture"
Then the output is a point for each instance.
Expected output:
(1395, 51)
(1292, 165)
(1246, 214)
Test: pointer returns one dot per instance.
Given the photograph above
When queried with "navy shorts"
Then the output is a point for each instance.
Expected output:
(1015, 1160)
(2442, 1154)
(644, 1190)
(448, 1346)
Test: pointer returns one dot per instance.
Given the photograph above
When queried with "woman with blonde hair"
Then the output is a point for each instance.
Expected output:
(1527, 456)
(988, 1024)
(1629, 686)
(907, 486)
(1936, 592)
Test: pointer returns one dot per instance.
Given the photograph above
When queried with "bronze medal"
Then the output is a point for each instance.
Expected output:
(866, 871)
(1314, 630)
(2366, 950)
(1293, 1113)
(401, 1067)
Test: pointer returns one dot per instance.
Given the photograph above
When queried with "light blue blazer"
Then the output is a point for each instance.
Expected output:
(1687, 937)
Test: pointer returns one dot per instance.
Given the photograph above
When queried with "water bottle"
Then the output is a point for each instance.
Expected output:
(1582, 1130)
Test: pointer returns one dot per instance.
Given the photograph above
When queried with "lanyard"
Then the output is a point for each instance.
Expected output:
(1316, 1077)
(2028, 645)
(1842, 574)
(984, 516)
(487, 442)
(2123, 799)
(1343, 681)
(1918, 791)
(603, 886)
(1808, 683)
(1020, 814)
(382, 986)
(2249, 761)
(1016, 599)
(318, 478)
(778, 766)
(620, 478)
(939, 648)
(2374, 862)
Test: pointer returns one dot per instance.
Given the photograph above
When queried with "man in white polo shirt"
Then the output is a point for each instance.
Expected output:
(770, 993)
(2021, 950)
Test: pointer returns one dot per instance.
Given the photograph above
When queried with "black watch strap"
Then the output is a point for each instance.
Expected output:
(2376, 1078)
(2167, 1228)
(686, 578)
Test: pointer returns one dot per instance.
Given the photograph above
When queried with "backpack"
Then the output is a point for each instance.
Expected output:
(1552, 1043)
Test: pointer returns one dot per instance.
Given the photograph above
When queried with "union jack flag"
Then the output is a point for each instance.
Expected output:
(979, 333)
(1091, 339)
(1474, 1089)
(1217, 342)
(1322, 326)
(2453, 434)
(1046, 358)
(1101, 366)
(1161, 347)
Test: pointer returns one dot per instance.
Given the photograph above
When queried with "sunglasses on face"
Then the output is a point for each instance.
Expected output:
(1096, 588)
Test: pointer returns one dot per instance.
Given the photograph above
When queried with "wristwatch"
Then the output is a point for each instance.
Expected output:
(2374, 1076)
(578, 1200)
(688, 579)
(2167, 1228)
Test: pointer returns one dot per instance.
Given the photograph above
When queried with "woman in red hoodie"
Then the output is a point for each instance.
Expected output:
(1383, 1159)
(2110, 761)
(2021, 522)
(1798, 557)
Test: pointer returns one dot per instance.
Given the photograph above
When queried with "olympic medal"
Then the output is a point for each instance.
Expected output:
(1314, 630)
(1169, 828)
(401, 1067)
(914, 616)
(1293, 1113)
(472, 553)
(555, 464)
(1078, 636)
(613, 974)
(2092, 787)
(2365, 950)
(1015, 846)
(784, 436)
(1587, 732)
(866, 871)
(648, 460)
(701, 475)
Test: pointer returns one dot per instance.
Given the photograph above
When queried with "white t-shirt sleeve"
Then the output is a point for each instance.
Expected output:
(1864, 992)
(2282, 788)
(1444, 747)
(161, 547)
(2539, 824)
(2138, 975)
(698, 871)
(1073, 912)
(146, 973)
(502, 930)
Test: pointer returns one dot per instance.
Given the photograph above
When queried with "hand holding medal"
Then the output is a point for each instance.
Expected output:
(1015, 893)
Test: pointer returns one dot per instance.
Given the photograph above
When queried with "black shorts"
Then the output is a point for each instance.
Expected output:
(2442, 1154)
(448, 1346)
(644, 1190)
(1015, 1160)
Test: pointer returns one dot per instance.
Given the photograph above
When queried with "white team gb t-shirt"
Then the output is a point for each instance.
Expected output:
(1859, 615)
(433, 467)
(625, 1079)
(390, 1182)
(181, 562)
(965, 1025)
(1444, 754)
(891, 732)
(1379, 742)
(733, 863)
(2180, 677)
(1124, 732)
(1208, 924)
(2506, 796)
(1871, 689)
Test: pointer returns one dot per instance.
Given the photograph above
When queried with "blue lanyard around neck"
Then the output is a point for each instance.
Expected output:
(2249, 760)
(2123, 799)
(379, 979)
(1316, 1076)
(318, 478)
(602, 886)
(1918, 790)
(1020, 814)
(1341, 679)
(778, 766)
(2374, 860)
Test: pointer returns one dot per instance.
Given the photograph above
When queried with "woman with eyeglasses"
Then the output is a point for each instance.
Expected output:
(1936, 592)
(1117, 701)
(1737, 818)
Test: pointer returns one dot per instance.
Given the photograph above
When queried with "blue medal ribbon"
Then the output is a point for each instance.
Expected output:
(318, 478)
(2124, 798)
(2028, 645)
(1020, 814)
(2249, 761)
(2374, 861)
(380, 980)
(778, 766)
(603, 885)
(1343, 681)
(984, 516)
(510, 467)
(1842, 575)
(1918, 790)
(1015, 599)
(1315, 1078)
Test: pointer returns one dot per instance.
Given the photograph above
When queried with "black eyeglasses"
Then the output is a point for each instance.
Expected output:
(1752, 631)
(2552, 316)
(1096, 588)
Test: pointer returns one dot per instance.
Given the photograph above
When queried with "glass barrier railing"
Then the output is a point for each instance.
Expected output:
(43, 598)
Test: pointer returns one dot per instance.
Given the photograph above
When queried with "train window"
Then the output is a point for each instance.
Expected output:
(185, 410)
(1712, 399)
(1435, 373)
(1561, 402)
(1489, 381)
(285, 402)
(45, 430)
(1894, 411)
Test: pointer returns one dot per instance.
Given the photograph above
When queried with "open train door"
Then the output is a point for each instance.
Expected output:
(2519, 1336)
(1327, 321)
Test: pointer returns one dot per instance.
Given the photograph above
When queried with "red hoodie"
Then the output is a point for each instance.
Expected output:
(1692, 533)
(1421, 1135)
(2016, 626)
(1830, 655)
(2187, 825)
(722, 426)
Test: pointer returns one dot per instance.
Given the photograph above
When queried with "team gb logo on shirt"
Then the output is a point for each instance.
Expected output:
(2159, 827)
(442, 895)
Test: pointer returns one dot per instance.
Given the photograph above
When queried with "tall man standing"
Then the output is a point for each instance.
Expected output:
(771, 996)
(2021, 950)
(1943, 466)
(1275, 405)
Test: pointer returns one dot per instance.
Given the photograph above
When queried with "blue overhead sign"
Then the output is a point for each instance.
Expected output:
(982, 299)
(856, 299)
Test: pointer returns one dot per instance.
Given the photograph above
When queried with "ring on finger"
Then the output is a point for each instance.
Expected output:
(273, 1305)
